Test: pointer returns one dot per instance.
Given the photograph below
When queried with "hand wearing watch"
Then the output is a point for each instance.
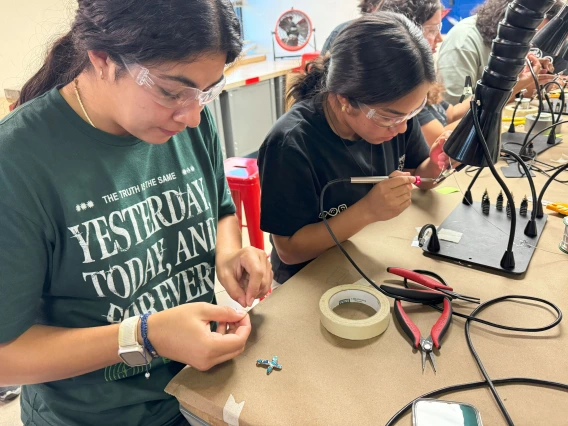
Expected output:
(132, 353)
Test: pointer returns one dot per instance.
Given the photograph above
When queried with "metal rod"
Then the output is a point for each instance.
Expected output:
(378, 179)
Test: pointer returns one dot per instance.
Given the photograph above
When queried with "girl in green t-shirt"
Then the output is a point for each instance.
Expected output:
(115, 214)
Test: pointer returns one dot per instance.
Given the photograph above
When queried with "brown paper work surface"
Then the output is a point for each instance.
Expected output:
(326, 380)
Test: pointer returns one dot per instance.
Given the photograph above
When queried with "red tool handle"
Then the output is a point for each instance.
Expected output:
(424, 296)
(407, 325)
(442, 324)
(419, 278)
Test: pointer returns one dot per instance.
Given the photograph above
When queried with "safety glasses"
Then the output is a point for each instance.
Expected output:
(384, 121)
(171, 94)
(432, 31)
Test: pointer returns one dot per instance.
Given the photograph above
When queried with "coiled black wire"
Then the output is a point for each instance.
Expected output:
(488, 381)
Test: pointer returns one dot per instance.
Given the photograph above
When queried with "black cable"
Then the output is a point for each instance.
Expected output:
(545, 187)
(546, 128)
(540, 107)
(369, 280)
(471, 169)
(476, 385)
(488, 381)
(496, 176)
(538, 169)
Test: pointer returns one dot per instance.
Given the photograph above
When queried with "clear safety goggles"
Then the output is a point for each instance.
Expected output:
(384, 121)
(432, 31)
(169, 93)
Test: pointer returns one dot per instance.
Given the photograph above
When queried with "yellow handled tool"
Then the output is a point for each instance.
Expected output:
(558, 208)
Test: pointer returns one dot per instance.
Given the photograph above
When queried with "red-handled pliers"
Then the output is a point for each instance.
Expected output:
(431, 281)
(434, 340)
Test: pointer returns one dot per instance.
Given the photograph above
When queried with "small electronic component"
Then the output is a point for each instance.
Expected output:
(500, 199)
(509, 207)
(524, 206)
(485, 203)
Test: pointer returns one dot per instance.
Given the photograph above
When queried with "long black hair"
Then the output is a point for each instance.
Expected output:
(143, 31)
(418, 11)
(378, 58)
(489, 14)
(368, 6)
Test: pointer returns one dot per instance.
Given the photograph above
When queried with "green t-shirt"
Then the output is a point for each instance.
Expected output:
(95, 228)
(463, 53)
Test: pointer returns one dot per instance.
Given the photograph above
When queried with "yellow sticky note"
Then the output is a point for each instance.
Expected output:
(446, 190)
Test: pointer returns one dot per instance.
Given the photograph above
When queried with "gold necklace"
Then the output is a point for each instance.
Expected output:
(81, 103)
(332, 123)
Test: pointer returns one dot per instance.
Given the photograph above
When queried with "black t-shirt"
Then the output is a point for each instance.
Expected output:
(302, 153)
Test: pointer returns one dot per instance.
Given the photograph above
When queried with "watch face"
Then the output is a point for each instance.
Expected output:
(133, 358)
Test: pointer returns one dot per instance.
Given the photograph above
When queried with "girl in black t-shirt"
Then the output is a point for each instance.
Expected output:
(353, 116)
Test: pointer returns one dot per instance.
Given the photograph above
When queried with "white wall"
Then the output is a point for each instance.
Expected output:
(260, 19)
(27, 27)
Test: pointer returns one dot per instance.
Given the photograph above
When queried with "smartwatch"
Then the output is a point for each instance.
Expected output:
(132, 353)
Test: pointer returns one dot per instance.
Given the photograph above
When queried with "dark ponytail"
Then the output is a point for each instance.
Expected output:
(418, 11)
(378, 58)
(61, 66)
(312, 82)
(150, 32)
(489, 14)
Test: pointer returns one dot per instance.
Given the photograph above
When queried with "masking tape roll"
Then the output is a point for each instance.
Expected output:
(354, 329)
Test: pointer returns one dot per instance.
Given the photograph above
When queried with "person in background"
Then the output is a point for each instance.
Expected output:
(466, 48)
(427, 14)
(116, 216)
(366, 6)
(438, 116)
(354, 115)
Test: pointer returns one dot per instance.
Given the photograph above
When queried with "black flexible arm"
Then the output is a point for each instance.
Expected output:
(546, 128)
(540, 108)
(555, 120)
(468, 198)
(498, 179)
(549, 106)
(545, 87)
(512, 126)
(528, 174)
(474, 178)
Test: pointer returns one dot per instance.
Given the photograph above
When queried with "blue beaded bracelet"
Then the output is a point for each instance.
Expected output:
(144, 332)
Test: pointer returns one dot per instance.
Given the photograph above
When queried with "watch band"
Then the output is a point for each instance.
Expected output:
(128, 332)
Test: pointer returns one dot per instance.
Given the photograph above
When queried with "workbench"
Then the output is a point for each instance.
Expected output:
(327, 380)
